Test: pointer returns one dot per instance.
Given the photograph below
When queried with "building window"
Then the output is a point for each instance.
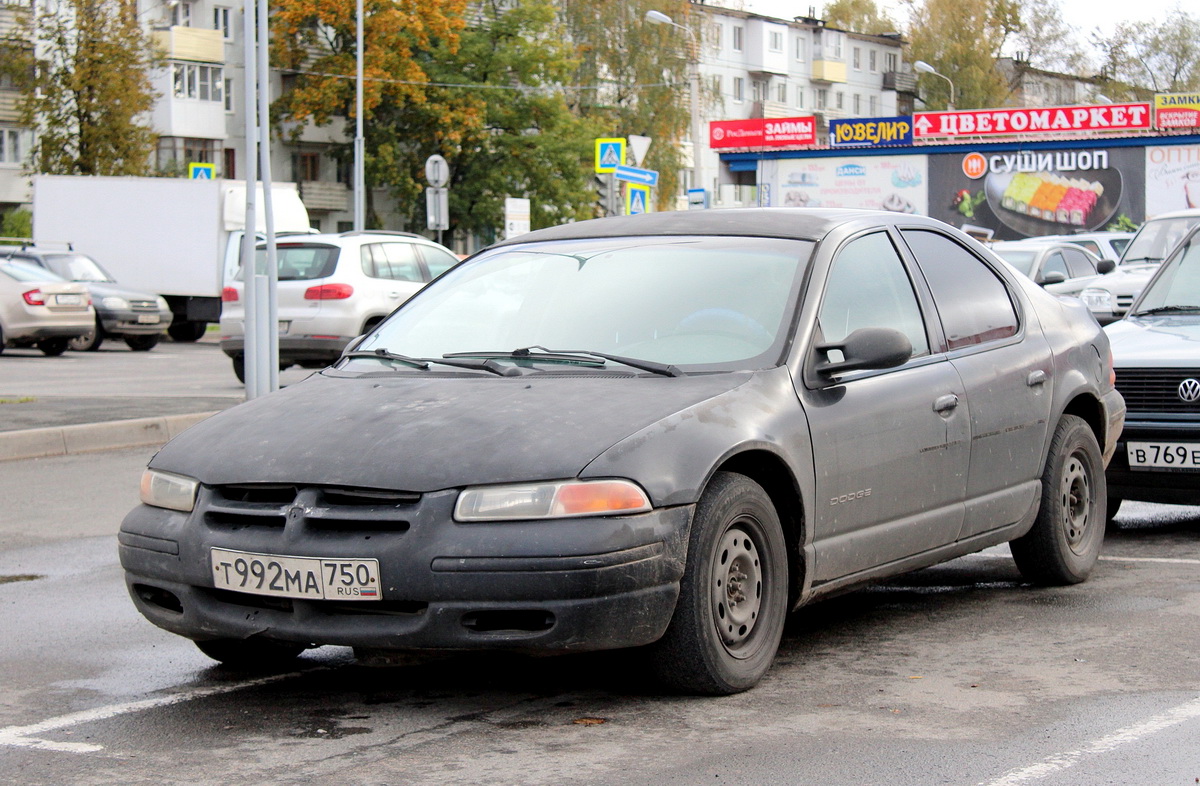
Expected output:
(11, 147)
(857, 57)
(871, 60)
(857, 104)
(202, 82)
(874, 109)
(228, 94)
(758, 90)
(893, 63)
(737, 38)
(181, 15)
(822, 97)
(230, 163)
(800, 49)
(776, 43)
(222, 22)
(781, 91)
(839, 97)
(799, 97)
(835, 45)
(739, 89)
(306, 167)
(198, 150)
(714, 36)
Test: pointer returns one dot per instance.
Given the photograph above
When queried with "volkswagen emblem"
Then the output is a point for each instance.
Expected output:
(1189, 390)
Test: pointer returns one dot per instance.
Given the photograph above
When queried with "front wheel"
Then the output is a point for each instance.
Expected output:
(142, 343)
(1065, 541)
(251, 653)
(733, 595)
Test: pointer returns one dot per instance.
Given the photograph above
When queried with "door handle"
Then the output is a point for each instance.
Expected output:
(945, 403)
(1036, 378)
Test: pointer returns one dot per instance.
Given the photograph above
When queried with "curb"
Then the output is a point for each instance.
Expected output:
(91, 437)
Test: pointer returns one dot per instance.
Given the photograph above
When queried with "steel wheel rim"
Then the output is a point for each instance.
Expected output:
(737, 585)
(1075, 497)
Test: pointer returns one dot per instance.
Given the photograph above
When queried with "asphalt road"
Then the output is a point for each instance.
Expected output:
(959, 674)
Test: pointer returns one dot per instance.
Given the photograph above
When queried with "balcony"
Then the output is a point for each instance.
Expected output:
(324, 195)
(828, 71)
(900, 82)
(770, 109)
(191, 43)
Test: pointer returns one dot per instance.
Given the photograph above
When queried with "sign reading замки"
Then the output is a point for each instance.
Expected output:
(1177, 110)
(1032, 120)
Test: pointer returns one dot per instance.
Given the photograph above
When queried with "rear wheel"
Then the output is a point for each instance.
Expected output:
(142, 343)
(88, 342)
(251, 653)
(1113, 506)
(1065, 542)
(187, 331)
(239, 367)
(733, 595)
(53, 346)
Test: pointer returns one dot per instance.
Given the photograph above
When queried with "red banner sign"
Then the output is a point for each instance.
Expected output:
(1032, 121)
(763, 132)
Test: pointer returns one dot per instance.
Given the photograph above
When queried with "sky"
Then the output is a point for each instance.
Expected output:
(1081, 14)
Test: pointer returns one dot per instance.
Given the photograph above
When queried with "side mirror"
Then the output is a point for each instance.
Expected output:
(1105, 266)
(865, 348)
(1053, 277)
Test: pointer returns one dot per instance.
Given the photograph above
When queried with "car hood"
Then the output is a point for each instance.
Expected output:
(99, 290)
(1167, 341)
(422, 433)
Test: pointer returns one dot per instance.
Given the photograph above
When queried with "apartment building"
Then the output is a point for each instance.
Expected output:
(14, 138)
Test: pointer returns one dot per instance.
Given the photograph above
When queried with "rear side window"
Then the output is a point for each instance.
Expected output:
(972, 301)
(397, 261)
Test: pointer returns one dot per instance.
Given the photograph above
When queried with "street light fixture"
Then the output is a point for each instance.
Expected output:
(659, 18)
(925, 68)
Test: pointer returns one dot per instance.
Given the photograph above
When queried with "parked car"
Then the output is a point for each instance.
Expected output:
(664, 430)
(333, 288)
(1105, 245)
(139, 318)
(1059, 267)
(1155, 349)
(38, 308)
(1111, 298)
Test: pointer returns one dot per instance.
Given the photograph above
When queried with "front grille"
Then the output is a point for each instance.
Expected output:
(313, 508)
(144, 305)
(1156, 390)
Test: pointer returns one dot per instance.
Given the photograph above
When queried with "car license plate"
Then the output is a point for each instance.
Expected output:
(147, 319)
(1182, 456)
(68, 300)
(323, 578)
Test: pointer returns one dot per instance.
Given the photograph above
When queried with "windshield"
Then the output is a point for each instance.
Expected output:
(713, 301)
(77, 267)
(1156, 238)
(1020, 258)
(1177, 284)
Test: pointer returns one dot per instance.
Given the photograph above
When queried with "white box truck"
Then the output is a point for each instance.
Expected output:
(177, 238)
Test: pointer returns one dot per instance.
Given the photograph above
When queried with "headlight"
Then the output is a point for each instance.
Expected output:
(115, 303)
(552, 500)
(1097, 299)
(163, 305)
(168, 490)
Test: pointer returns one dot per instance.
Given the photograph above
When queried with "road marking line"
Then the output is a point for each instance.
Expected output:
(23, 736)
(1062, 761)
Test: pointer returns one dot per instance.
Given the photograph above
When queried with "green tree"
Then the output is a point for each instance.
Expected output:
(85, 87)
(521, 138)
(1159, 57)
(1046, 41)
(859, 16)
(962, 39)
(16, 223)
(632, 77)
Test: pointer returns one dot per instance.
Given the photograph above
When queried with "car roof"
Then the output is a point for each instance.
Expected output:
(341, 238)
(800, 223)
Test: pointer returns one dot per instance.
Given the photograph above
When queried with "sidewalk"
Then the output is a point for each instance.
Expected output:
(39, 426)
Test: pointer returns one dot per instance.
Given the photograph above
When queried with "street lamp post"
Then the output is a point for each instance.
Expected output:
(659, 18)
(925, 68)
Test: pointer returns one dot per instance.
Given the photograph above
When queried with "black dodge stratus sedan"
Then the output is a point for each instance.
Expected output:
(662, 431)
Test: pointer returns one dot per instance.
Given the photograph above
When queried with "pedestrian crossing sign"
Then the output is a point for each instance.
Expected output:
(610, 154)
(637, 199)
(201, 171)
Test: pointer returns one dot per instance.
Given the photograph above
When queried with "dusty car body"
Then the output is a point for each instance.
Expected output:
(662, 430)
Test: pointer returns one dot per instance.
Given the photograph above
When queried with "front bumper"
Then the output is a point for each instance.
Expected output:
(1154, 485)
(127, 322)
(564, 585)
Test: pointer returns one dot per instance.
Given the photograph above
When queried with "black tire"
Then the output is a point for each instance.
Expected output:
(53, 347)
(88, 342)
(239, 368)
(1065, 542)
(251, 653)
(186, 332)
(142, 343)
(1, 341)
(733, 595)
(1112, 507)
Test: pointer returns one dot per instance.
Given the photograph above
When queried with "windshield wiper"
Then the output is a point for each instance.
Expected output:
(423, 363)
(1135, 260)
(579, 356)
(1166, 310)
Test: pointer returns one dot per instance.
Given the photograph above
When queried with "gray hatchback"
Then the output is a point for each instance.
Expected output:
(662, 431)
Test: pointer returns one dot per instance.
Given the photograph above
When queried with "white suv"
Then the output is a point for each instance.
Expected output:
(333, 288)
(1112, 296)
